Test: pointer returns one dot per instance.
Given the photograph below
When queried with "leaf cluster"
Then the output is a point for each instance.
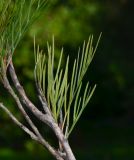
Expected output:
(16, 16)
(63, 95)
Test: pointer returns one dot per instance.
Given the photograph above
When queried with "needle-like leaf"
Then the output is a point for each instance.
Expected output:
(64, 95)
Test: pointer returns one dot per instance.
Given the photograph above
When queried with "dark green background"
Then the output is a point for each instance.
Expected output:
(106, 128)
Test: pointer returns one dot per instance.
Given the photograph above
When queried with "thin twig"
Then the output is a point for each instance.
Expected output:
(14, 119)
(44, 104)
(42, 99)
(46, 118)
(32, 135)
(40, 138)
(41, 116)
(16, 98)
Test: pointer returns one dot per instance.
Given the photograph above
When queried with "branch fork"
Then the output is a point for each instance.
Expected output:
(45, 117)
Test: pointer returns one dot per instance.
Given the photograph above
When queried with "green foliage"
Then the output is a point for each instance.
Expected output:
(15, 19)
(63, 95)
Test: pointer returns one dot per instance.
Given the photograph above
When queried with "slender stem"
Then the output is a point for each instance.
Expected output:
(16, 98)
(14, 119)
(46, 118)
(39, 138)
(55, 153)
(43, 100)
(62, 139)
(41, 116)
(61, 127)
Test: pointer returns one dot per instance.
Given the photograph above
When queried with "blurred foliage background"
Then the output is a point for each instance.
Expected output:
(106, 128)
